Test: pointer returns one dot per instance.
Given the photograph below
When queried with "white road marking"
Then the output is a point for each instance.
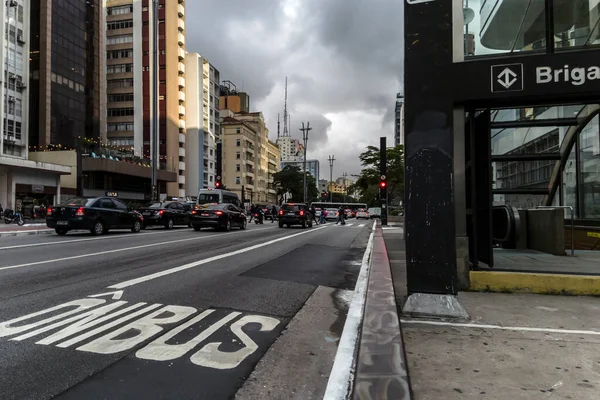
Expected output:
(503, 328)
(21, 246)
(340, 378)
(143, 322)
(361, 225)
(100, 253)
(349, 224)
(115, 295)
(206, 261)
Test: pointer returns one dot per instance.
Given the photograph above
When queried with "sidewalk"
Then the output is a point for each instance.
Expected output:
(515, 346)
(27, 229)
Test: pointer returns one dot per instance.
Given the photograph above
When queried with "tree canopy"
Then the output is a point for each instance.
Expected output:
(290, 180)
(367, 184)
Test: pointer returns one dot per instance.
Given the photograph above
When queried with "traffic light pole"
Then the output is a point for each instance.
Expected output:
(383, 182)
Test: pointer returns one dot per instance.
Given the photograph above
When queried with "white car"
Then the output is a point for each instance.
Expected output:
(362, 213)
(374, 212)
(331, 213)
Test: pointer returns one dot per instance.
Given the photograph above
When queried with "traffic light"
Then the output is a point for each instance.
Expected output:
(218, 182)
(383, 187)
(382, 184)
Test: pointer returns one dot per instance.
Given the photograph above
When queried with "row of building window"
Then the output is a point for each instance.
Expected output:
(119, 24)
(127, 53)
(119, 68)
(13, 128)
(120, 10)
(120, 112)
(121, 141)
(61, 80)
(112, 98)
(120, 127)
(120, 39)
(120, 83)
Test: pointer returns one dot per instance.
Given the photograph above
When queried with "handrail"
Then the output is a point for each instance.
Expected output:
(572, 224)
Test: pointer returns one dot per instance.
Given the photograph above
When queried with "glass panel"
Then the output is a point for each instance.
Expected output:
(570, 182)
(535, 113)
(575, 23)
(504, 26)
(589, 156)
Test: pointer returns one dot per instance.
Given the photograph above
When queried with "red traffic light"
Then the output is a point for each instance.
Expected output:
(382, 184)
(218, 184)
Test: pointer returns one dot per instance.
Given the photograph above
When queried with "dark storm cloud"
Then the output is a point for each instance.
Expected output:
(340, 56)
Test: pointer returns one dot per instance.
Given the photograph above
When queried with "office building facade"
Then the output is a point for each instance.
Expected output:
(399, 120)
(203, 129)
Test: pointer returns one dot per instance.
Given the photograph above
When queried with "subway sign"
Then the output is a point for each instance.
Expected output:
(572, 76)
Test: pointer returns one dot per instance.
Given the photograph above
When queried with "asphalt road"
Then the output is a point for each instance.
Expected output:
(160, 314)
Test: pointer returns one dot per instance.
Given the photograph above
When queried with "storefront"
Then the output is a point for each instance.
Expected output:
(501, 108)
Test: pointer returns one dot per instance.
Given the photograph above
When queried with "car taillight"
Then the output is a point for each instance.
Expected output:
(280, 212)
(161, 212)
(194, 212)
(219, 212)
(79, 212)
(301, 212)
(49, 211)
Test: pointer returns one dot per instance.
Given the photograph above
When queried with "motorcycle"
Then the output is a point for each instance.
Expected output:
(10, 216)
(259, 218)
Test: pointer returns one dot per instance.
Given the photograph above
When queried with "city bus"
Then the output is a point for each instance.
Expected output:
(326, 204)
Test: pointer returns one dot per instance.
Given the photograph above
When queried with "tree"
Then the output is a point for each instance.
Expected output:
(290, 180)
(367, 184)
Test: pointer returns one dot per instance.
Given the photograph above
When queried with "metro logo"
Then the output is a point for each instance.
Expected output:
(576, 76)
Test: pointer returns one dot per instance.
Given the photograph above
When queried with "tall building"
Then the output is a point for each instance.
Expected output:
(399, 120)
(290, 149)
(129, 77)
(312, 167)
(250, 158)
(66, 89)
(202, 123)
(232, 99)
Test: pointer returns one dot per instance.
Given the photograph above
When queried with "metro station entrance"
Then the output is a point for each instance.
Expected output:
(506, 92)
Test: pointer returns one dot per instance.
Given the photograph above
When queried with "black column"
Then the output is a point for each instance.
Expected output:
(429, 222)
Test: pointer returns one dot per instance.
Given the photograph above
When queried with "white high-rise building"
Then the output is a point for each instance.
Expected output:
(203, 130)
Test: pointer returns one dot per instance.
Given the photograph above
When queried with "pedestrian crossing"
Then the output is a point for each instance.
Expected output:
(349, 225)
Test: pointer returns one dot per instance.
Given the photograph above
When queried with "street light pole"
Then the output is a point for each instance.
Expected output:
(305, 131)
(331, 160)
(155, 96)
(344, 175)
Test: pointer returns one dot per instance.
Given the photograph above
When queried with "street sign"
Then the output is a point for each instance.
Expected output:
(383, 177)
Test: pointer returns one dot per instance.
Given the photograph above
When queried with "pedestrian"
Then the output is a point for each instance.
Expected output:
(313, 211)
(323, 218)
(1, 211)
(273, 213)
(341, 216)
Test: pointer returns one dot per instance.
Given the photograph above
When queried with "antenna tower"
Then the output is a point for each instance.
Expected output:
(285, 113)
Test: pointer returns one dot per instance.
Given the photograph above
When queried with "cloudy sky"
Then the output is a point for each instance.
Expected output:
(343, 60)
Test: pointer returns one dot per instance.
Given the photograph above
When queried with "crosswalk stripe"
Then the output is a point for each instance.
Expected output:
(361, 225)
(349, 224)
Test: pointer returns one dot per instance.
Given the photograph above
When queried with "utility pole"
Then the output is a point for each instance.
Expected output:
(305, 130)
(344, 175)
(155, 96)
(331, 160)
(383, 180)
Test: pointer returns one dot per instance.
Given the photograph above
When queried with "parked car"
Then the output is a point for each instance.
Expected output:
(97, 215)
(218, 216)
(295, 214)
(362, 213)
(166, 213)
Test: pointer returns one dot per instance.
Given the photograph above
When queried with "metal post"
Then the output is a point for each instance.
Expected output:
(155, 96)
(305, 131)
(383, 170)
(344, 175)
(572, 224)
(331, 160)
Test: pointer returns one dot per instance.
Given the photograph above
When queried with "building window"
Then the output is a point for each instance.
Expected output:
(238, 130)
(211, 152)
(119, 127)
(238, 167)
(238, 143)
(127, 53)
(120, 10)
(120, 112)
(238, 155)
(119, 68)
(120, 97)
(121, 141)
(238, 180)
(119, 39)
(120, 83)
(119, 24)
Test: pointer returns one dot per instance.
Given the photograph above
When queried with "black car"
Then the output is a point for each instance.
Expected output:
(96, 215)
(166, 213)
(218, 216)
(295, 214)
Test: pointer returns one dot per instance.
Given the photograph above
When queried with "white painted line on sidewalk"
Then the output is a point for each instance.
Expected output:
(20, 246)
(143, 246)
(503, 328)
(341, 377)
(206, 261)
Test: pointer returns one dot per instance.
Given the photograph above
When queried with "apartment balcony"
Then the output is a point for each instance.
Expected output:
(181, 53)
(181, 124)
(181, 166)
(250, 150)
(181, 68)
(249, 161)
(181, 10)
(181, 80)
(181, 25)
(180, 38)
(181, 110)
(181, 179)
(181, 97)
(181, 135)
(250, 174)
(181, 152)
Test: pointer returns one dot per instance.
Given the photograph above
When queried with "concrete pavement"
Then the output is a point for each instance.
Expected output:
(173, 314)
